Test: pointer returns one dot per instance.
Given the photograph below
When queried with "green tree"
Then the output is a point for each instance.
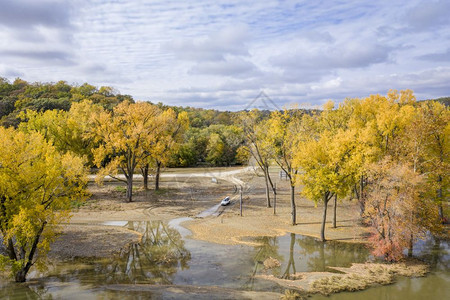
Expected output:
(37, 185)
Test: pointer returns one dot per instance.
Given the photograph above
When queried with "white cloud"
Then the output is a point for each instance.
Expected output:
(222, 54)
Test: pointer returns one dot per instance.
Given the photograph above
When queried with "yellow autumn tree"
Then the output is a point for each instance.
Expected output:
(428, 144)
(324, 154)
(165, 140)
(258, 145)
(37, 186)
(70, 131)
(283, 131)
(126, 136)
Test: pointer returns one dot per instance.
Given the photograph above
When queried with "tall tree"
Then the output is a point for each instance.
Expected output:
(258, 145)
(283, 136)
(429, 134)
(37, 185)
(127, 136)
(71, 131)
(165, 140)
(324, 157)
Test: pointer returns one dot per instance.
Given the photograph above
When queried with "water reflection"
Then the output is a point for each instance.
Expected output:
(298, 253)
(164, 256)
(318, 256)
(291, 262)
(16, 291)
(155, 259)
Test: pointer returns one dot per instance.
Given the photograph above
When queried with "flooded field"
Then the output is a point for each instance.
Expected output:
(167, 264)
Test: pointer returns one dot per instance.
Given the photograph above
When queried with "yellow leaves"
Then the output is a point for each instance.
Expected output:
(328, 106)
(37, 184)
(135, 134)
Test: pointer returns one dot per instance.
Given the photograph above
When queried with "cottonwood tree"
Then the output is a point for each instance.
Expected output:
(37, 186)
(71, 131)
(429, 144)
(283, 132)
(165, 140)
(377, 121)
(258, 145)
(323, 154)
(126, 138)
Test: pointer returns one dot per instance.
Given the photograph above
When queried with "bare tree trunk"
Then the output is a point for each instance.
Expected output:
(293, 207)
(324, 218)
(158, 172)
(334, 211)
(362, 199)
(130, 187)
(275, 199)
(355, 190)
(266, 175)
(145, 170)
(11, 251)
(410, 248)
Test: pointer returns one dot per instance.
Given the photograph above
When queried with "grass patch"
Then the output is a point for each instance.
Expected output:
(362, 276)
(76, 204)
(120, 189)
(351, 282)
(161, 192)
(292, 295)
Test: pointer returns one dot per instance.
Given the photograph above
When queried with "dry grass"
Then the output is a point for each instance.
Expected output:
(271, 263)
(362, 276)
(355, 278)
(293, 295)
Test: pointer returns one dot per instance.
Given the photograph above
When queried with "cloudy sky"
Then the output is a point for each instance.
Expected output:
(222, 54)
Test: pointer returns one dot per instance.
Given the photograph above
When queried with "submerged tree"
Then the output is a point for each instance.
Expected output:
(37, 186)
(397, 209)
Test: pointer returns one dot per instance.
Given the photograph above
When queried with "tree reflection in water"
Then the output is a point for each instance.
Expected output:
(267, 247)
(156, 258)
(291, 262)
(15, 291)
(320, 255)
(306, 254)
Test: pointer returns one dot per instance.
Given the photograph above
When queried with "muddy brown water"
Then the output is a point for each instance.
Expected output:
(169, 265)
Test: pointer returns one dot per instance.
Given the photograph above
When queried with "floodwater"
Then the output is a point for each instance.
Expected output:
(167, 264)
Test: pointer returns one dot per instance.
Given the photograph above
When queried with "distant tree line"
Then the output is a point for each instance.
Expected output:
(212, 138)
